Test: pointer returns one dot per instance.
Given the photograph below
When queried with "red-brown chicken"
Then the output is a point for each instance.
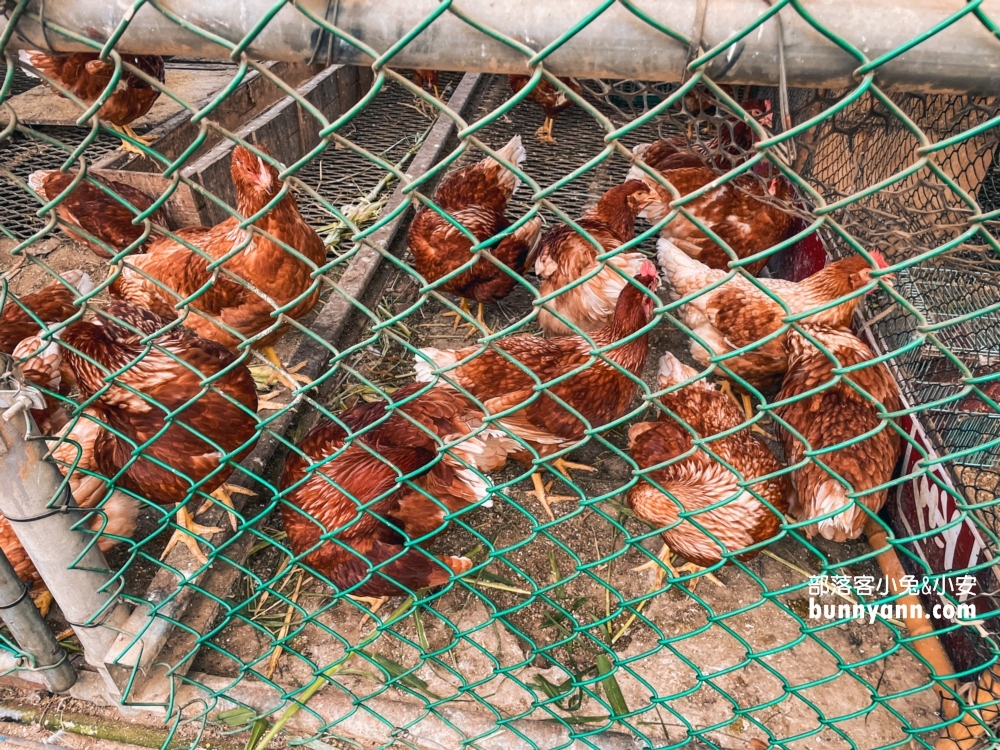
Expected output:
(86, 76)
(830, 418)
(53, 303)
(207, 419)
(227, 310)
(552, 100)
(698, 481)
(741, 212)
(600, 392)
(92, 217)
(737, 313)
(476, 197)
(565, 256)
(428, 80)
(383, 446)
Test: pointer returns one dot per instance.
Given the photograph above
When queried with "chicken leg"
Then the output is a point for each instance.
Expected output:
(463, 321)
(689, 567)
(747, 403)
(145, 140)
(541, 492)
(663, 556)
(42, 599)
(224, 496)
(544, 133)
(187, 534)
(291, 379)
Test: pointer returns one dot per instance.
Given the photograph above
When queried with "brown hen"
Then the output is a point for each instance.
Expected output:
(428, 80)
(565, 256)
(226, 309)
(737, 313)
(92, 217)
(164, 377)
(324, 493)
(699, 481)
(53, 303)
(836, 415)
(551, 99)
(476, 197)
(600, 392)
(86, 76)
(740, 212)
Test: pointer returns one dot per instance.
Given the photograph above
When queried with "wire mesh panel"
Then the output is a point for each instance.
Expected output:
(384, 388)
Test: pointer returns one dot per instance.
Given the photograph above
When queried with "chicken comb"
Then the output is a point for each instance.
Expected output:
(878, 258)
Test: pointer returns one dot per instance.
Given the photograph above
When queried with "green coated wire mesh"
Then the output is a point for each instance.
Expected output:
(541, 633)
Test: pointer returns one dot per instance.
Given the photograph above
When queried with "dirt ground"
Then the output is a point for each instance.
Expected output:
(722, 665)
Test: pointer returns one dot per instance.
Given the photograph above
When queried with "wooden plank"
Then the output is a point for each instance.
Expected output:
(151, 659)
(282, 130)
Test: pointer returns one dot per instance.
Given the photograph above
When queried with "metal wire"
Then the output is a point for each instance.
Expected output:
(551, 639)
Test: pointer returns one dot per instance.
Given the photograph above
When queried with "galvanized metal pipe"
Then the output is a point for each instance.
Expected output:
(964, 57)
(76, 580)
(31, 633)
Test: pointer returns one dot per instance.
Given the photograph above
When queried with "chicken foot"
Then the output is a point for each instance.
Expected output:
(224, 496)
(145, 140)
(664, 556)
(747, 403)
(291, 379)
(544, 133)
(463, 321)
(42, 599)
(374, 604)
(541, 490)
(188, 533)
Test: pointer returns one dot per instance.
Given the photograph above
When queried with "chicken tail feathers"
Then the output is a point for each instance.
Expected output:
(26, 56)
(433, 359)
(36, 180)
(827, 498)
(512, 153)
(672, 371)
(80, 279)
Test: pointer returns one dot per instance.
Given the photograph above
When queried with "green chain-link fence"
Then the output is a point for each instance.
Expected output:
(545, 635)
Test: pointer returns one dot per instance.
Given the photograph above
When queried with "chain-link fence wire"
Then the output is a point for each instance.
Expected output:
(550, 637)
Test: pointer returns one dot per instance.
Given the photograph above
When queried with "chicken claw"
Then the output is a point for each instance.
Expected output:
(292, 379)
(43, 601)
(747, 403)
(689, 567)
(541, 492)
(145, 140)
(223, 495)
(563, 467)
(187, 534)
(663, 556)
(544, 133)
(463, 320)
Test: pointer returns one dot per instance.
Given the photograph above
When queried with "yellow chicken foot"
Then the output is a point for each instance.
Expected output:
(544, 133)
(663, 556)
(463, 320)
(564, 467)
(437, 94)
(188, 534)
(481, 317)
(43, 601)
(223, 495)
(541, 492)
(145, 140)
(692, 568)
(291, 380)
(747, 403)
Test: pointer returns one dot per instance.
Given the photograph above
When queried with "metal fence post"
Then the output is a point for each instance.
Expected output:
(31, 633)
(42, 513)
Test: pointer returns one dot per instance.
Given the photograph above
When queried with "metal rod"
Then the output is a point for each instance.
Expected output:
(31, 633)
(962, 58)
(43, 521)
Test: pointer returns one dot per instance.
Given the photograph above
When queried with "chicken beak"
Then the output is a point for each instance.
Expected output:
(264, 175)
